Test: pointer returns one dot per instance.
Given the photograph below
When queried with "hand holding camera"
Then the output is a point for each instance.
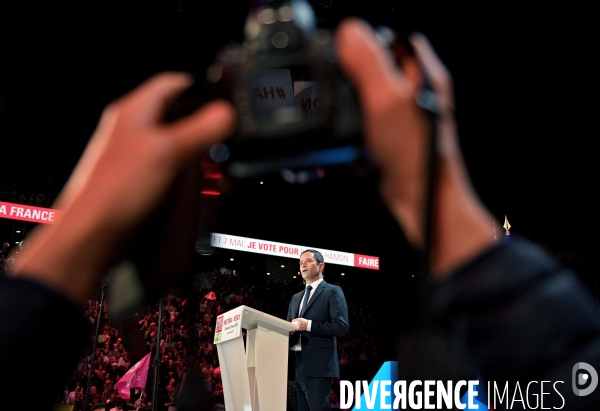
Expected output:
(295, 107)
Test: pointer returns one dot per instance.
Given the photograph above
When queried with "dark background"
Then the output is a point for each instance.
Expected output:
(524, 89)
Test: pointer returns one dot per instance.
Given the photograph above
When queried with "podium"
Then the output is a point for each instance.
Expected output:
(255, 376)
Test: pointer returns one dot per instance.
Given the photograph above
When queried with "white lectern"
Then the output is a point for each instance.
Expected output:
(254, 377)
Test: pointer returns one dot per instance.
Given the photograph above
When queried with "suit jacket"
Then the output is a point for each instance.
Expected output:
(328, 311)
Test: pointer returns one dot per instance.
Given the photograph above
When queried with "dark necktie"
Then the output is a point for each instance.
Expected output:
(305, 302)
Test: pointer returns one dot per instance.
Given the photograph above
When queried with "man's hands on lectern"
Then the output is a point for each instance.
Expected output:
(302, 324)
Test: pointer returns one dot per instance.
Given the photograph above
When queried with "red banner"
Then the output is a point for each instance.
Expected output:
(25, 212)
(49, 216)
(366, 261)
(255, 245)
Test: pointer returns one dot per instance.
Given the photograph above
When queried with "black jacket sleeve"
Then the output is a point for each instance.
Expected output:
(520, 316)
(42, 337)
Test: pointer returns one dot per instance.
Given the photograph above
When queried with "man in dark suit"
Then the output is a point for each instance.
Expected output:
(321, 313)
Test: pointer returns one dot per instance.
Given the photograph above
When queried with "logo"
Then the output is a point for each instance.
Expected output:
(386, 391)
(219, 326)
(584, 375)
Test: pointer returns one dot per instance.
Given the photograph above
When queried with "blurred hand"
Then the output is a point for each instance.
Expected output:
(127, 167)
(397, 134)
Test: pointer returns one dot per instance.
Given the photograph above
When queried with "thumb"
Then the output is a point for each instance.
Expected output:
(364, 60)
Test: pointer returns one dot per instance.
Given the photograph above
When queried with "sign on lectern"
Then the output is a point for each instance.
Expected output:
(229, 325)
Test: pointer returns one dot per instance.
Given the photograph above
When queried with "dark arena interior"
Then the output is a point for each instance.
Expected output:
(522, 82)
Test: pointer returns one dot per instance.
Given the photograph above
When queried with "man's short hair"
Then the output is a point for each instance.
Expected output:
(317, 254)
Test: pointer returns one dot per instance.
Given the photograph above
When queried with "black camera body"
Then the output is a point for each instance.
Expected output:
(295, 108)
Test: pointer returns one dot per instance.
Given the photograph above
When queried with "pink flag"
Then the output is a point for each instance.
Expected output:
(134, 378)
(211, 296)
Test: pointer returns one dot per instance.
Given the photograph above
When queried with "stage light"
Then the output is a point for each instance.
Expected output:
(210, 193)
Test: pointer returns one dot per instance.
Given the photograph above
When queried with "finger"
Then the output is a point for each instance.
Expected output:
(365, 61)
(210, 124)
(435, 70)
(148, 101)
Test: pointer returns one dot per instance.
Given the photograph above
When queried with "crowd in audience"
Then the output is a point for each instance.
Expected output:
(5, 259)
(187, 336)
